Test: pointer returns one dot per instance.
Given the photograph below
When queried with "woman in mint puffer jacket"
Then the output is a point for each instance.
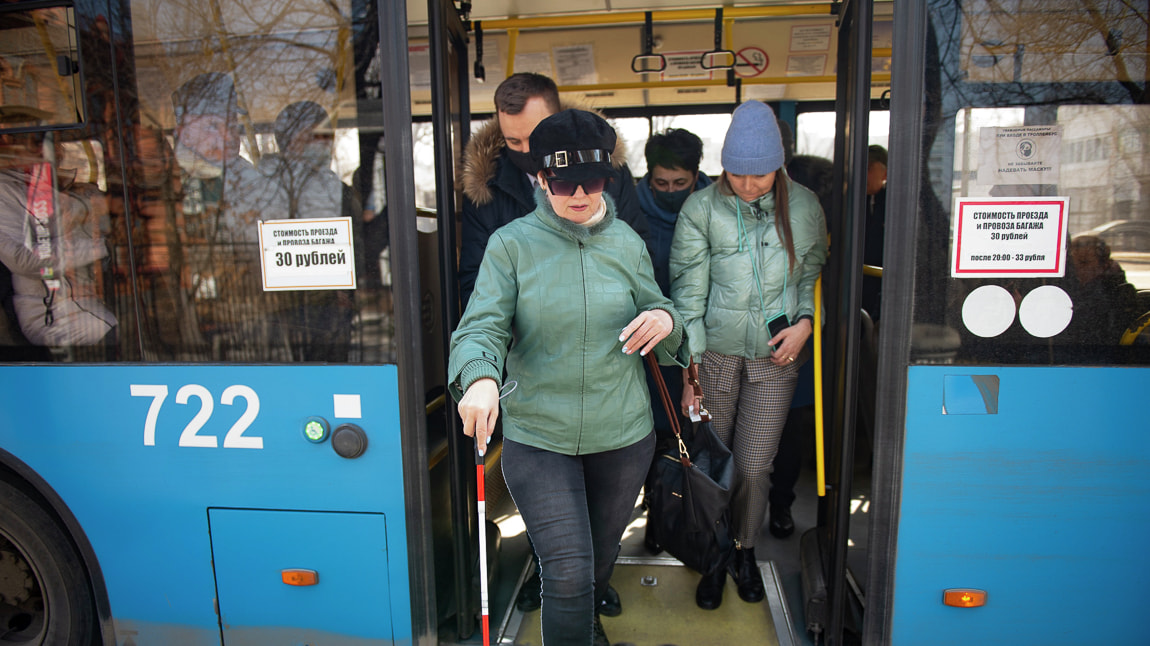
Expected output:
(566, 299)
(746, 253)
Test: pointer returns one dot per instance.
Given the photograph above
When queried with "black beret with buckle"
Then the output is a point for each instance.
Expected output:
(573, 145)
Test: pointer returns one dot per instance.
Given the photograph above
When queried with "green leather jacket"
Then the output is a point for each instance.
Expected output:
(718, 266)
(550, 301)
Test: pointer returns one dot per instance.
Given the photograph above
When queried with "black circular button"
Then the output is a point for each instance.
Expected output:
(349, 441)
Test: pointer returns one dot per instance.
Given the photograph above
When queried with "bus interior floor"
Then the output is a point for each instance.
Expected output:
(657, 592)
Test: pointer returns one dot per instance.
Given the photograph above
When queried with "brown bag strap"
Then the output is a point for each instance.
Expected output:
(672, 414)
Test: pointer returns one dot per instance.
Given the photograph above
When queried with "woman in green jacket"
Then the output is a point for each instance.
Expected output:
(746, 253)
(566, 300)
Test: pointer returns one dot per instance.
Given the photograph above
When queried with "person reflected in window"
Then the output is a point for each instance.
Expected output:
(566, 299)
(1105, 304)
(51, 242)
(317, 322)
(744, 260)
(223, 198)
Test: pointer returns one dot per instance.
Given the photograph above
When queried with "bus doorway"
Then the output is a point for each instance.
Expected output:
(507, 44)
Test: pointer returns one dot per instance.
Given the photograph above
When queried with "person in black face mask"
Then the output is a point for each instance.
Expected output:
(673, 158)
(498, 175)
(672, 175)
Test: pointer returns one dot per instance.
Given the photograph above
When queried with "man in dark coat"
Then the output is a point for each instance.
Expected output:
(497, 175)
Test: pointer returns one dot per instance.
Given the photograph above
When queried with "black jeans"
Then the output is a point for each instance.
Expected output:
(575, 509)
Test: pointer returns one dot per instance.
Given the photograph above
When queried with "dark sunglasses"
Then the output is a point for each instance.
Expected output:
(564, 188)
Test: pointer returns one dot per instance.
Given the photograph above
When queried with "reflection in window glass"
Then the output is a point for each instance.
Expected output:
(39, 69)
(1029, 124)
(240, 117)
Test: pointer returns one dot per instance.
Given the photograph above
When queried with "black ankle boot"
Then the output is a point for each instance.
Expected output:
(746, 573)
(709, 594)
(782, 524)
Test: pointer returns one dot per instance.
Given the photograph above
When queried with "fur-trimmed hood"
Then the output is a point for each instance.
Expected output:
(481, 158)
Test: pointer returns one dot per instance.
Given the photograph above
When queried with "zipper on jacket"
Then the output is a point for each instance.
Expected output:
(583, 354)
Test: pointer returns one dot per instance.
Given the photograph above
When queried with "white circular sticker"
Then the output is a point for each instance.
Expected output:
(1045, 311)
(988, 311)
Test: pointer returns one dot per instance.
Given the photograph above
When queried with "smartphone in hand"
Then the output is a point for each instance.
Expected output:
(776, 325)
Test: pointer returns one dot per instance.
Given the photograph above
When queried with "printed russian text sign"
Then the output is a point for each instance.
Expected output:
(307, 254)
(1005, 237)
(1020, 155)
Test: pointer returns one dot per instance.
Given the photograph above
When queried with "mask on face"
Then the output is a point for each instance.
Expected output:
(195, 165)
(522, 161)
(671, 200)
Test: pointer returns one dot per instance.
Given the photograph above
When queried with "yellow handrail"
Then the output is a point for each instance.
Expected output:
(674, 15)
(657, 85)
(820, 462)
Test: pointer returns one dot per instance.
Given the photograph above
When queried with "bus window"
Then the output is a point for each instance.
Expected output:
(243, 118)
(1029, 249)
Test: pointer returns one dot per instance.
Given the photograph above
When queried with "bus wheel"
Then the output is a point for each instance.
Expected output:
(44, 593)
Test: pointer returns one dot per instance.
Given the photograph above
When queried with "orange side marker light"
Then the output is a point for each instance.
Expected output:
(964, 598)
(299, 576)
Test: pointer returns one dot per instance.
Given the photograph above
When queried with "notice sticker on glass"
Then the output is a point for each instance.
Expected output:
(1020, 155)
(1009, 237)
(307, 254)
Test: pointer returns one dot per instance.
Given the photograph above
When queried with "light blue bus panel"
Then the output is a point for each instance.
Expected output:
(259, 553)
(1030, 484)
(162, 464)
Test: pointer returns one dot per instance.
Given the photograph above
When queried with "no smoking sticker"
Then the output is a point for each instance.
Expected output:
(751, 61)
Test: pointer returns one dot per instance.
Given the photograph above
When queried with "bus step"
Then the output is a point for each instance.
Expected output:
(658, 595)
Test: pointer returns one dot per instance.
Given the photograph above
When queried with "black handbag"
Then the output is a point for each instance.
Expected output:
(689, 492)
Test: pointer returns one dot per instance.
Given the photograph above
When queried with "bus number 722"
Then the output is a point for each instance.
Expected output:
(235, 438)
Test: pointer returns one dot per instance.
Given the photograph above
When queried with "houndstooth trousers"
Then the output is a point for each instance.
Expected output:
(748, 400)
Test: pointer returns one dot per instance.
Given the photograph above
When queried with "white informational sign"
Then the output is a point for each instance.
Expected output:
(810, 38)
(809, 65)
(685, 66)
(1020, 155)
(575, 65)
(307, 254)
(534, 62)
(419, 66)
(1009, 237)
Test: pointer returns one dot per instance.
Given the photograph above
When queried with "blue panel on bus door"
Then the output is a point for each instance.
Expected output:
(1043, 506)
(252, 548)
(140, 453)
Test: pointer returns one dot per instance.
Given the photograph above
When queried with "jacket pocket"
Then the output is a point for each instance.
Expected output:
(722, 370)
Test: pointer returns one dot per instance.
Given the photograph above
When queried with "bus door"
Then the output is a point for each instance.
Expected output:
(1011, 453)
(453, 455)
(828, 583)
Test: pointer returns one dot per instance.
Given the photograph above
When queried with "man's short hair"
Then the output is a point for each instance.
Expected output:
(514, 92)
(875, 153)
(674, 148)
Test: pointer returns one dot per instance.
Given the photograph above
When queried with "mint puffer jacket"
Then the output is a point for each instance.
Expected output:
(550, 301)
(713, 268)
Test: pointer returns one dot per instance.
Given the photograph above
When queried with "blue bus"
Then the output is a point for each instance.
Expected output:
(228, 255)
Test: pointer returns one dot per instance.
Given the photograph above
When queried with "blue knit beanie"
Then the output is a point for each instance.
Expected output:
(753, 145)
